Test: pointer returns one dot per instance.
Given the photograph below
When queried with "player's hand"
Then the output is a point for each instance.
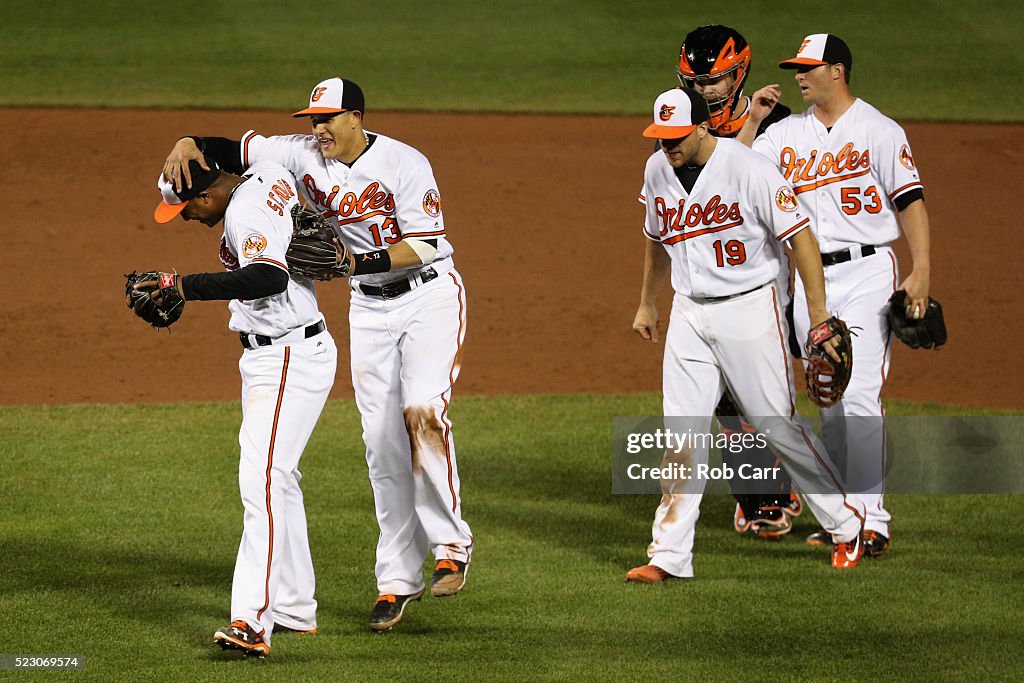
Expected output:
(763, 101)
(176, 166)
(645, 323)
(916, 286)
(818, 317)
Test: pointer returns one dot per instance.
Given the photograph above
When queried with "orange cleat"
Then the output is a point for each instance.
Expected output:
(648, 573)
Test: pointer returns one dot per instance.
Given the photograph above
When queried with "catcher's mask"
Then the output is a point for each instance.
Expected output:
(708, 54)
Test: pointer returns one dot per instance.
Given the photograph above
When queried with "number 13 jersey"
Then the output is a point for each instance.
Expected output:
(386, 195)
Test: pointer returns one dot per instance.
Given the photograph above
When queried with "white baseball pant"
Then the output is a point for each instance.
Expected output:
(284, 389)
(406, 356)
(739, 343)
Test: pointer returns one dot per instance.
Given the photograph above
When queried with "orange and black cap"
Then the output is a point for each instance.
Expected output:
(334, 96)
(819, 49)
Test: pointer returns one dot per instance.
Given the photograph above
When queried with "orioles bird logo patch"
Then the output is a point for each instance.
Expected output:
(254, 245)
(785, 199)
(432, 203)
(317, 94)
(906, 158)
(666, 112)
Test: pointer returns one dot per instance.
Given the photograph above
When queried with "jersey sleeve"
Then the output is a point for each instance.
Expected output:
(259, 235)
(775, 204)
(286, 150)
(766, 144)
(418, 201)
(895, 165)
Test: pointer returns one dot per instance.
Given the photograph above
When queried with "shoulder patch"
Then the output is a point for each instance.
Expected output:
(253, 245)
(432, 203)
(785, 199)
(906, 158)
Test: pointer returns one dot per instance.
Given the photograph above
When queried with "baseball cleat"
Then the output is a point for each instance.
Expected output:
(240, 636)
(739, 520)
(771, 526)
(648, 573)
(847, 555)
(819, 538)
(281, 628)
(388, 609)
(875, 543)
(449, 578)
(795, 506)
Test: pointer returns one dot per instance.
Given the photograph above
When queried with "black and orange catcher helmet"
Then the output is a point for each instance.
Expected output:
(708, 54)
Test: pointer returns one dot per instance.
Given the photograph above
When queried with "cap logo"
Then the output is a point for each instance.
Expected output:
(318, 92)
(803, 45)
(666, 112)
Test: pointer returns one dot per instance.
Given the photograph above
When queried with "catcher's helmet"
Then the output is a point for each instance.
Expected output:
(709, 53)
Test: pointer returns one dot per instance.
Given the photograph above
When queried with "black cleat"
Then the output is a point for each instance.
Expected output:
(820, 538)
(875, 543)
(387, 611)
(449, 578)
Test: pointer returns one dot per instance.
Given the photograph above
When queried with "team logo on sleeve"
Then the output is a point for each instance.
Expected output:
(254, 245)
(785, 199)
(432, 203)
(666, 112)
(906, 158)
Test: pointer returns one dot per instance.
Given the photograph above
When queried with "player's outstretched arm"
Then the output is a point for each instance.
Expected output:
(657, 263)
(914, 220)
(762, 103)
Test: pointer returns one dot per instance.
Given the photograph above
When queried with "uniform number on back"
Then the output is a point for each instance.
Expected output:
(387, 232)
(852, 204)
(732, 253)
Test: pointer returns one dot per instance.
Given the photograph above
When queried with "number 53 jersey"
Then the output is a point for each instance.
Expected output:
(724, 236)
(847, 178)
(386, 195)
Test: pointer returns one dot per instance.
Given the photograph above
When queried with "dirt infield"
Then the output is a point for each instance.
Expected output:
(543, 215)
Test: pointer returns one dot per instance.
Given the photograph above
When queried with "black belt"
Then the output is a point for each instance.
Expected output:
(311, 331)
(396, 288)
(835, 257)
(707, 299)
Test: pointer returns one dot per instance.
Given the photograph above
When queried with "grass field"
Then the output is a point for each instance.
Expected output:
(121, 523)
(927, 60)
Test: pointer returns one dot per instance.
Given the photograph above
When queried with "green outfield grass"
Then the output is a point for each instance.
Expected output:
(120, 526)
(927, 60)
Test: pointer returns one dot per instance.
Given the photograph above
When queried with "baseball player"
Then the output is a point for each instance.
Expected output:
(407, 320)
(855, 175)
(287, 366)
(714, 61)
(713, 207)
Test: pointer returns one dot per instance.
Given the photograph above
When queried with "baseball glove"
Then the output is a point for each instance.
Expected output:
(315, 251)
(157, 300)
(927, 332)
(826, 379)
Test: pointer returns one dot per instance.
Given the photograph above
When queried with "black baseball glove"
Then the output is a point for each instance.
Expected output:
(157, 299)
(826, 379)
(315, 251)
(926, 332)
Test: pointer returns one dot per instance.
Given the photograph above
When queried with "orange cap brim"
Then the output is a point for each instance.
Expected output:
(797, 62)
(668, 132)
(314, 111)
(165, 213)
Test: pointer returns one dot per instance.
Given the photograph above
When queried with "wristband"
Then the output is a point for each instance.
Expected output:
(371, 262)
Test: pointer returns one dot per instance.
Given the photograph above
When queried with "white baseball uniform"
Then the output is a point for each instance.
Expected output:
(407, 331)
(727, 329)
(287, 371)
(847, 179)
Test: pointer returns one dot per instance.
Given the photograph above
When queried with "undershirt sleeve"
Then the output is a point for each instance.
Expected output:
(254, 281)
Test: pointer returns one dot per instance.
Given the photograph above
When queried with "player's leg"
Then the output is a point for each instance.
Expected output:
(692, 386)
(283, 391)
(753, 353)
(376, 378)
(433, 329)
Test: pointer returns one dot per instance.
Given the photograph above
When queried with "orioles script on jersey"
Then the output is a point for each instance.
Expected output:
(848, 160)
(372, 199)
(713, 213)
